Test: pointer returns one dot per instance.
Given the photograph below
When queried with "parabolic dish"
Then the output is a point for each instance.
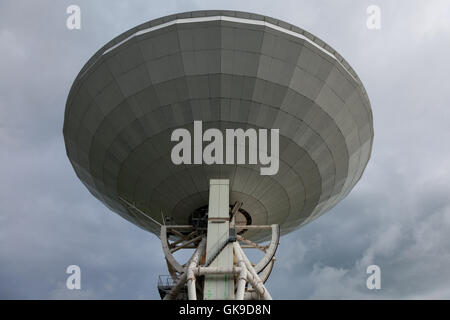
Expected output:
(230, 70)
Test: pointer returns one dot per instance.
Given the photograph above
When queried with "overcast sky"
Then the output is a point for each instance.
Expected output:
(397, 216)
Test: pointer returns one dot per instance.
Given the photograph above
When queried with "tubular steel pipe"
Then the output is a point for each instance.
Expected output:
(253, 277)
(183, 278)
(251, 243)
(185, 244)
(259, 287)
(242, 277)
(200, 271)
(192, 292)
(251, 295)
(169, 257)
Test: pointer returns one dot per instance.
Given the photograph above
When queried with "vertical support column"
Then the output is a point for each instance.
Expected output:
(219, 286)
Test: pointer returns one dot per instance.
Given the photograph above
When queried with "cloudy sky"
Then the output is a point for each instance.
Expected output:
(397, 217)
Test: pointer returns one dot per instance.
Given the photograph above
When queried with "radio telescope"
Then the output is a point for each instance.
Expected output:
(228, 70)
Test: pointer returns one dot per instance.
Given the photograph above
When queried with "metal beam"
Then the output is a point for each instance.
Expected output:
(219, 286)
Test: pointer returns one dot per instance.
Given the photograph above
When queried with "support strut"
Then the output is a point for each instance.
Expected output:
(219, 267)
